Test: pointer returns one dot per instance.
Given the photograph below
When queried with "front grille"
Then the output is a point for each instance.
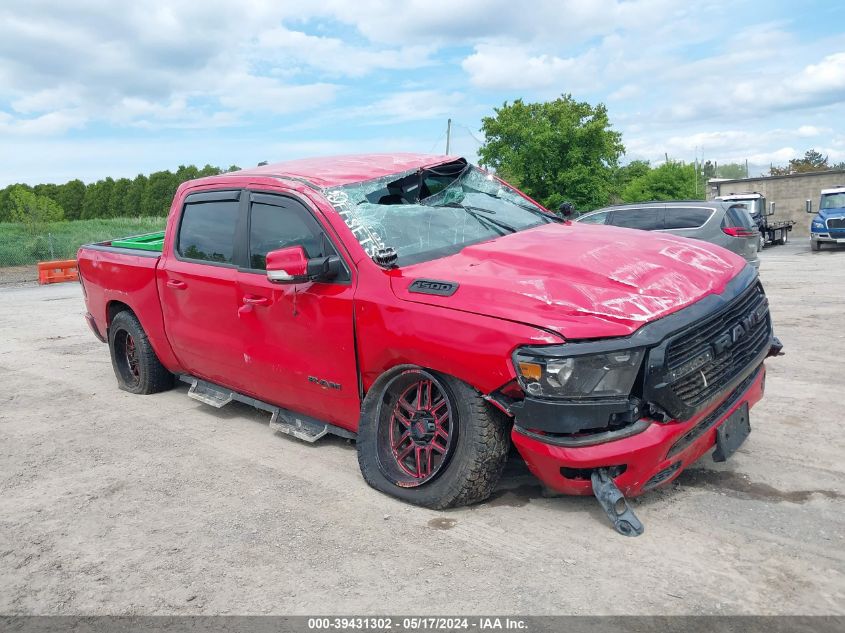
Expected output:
(717, 349)
(836, 223)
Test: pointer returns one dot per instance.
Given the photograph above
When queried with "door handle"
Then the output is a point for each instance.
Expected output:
(249, 303)
(176, 284)
(252, 300)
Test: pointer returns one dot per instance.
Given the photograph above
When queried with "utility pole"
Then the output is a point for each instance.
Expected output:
(448, 134)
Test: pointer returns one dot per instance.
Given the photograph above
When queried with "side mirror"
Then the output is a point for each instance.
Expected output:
(771, 208)
(808, 206)
(566, 209)
(291, 266)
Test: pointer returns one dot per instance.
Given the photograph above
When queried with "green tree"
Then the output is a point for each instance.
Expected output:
(210, 170)
(558, 151)
(118, 198)
(135, 195)
(671, 181)
(625, 174)
(6, 202)
(710, 170)
(32, 210)
(159, 193)
(114, 198)
(730, 170)
(70, 197)
(187, 173)
(97, 200)
(811, 161)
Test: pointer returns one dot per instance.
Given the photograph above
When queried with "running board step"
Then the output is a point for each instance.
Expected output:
(209, 393)
(309, 430)
(290, 423)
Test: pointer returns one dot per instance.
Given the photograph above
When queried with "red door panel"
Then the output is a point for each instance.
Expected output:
(200, 304)
(298, 346)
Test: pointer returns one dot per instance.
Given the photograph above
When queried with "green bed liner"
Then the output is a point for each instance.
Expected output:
(146, 242)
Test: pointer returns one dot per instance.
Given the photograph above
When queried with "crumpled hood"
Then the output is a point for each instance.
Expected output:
(579, 280)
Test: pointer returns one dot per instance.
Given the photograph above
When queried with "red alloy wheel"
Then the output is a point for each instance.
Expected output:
(132, 355)
(421, 430)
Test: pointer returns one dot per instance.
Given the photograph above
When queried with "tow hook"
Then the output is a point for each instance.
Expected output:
(613, 502)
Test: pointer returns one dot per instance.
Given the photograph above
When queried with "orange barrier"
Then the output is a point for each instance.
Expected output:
(55, 272)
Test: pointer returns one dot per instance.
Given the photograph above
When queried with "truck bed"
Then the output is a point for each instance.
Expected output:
(123, 272)
(145, 242)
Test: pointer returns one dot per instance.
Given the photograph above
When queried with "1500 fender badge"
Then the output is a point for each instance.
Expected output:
(433, 287)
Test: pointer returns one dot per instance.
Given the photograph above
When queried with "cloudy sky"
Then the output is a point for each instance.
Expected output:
(95, 88)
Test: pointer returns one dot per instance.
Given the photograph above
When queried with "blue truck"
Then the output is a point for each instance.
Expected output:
(828, 225)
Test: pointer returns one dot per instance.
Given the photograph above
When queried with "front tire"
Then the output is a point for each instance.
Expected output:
(430, 439)
(816, 245)
(136, 366)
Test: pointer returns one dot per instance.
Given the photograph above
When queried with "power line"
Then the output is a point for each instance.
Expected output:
(433, 145)
(469, 131)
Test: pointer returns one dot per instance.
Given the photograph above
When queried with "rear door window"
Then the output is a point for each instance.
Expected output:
(646, 219)
(207, 231)
(738, 216)
(686, 218)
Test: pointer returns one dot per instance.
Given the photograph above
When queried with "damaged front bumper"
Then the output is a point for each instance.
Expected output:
(652, 456)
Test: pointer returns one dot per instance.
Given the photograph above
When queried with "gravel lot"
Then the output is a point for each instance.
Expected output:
(118, 504)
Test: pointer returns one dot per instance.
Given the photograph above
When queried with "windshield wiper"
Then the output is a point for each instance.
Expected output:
(527, 207)
(481, 215)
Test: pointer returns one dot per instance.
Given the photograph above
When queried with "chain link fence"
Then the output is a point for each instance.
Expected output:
(23, 246)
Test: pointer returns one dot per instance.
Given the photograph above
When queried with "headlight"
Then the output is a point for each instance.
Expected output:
(603, 375)
(818, 225)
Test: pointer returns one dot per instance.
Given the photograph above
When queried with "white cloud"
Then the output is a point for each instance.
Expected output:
(514, 68)
(758, 94)
(809, 131)
(333, 55)
(401, 107)
(674, 82)
(627, 91)
(52, 123)
(445, 22)
(146, 63)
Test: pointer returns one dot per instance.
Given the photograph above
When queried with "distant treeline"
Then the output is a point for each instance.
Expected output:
(142, 196)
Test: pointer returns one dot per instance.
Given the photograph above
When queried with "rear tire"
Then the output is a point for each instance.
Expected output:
(136, 366)
(444, 448)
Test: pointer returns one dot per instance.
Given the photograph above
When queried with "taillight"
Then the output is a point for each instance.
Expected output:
(738, 231)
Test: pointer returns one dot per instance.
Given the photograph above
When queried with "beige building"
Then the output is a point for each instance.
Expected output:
(789, 193)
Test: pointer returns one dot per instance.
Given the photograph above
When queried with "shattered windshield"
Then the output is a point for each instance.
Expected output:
(433, 212)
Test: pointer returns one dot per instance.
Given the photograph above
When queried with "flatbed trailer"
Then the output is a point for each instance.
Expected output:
(771, 232)
(776, 232)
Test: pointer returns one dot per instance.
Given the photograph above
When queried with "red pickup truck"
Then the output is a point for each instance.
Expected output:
(436, 315)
